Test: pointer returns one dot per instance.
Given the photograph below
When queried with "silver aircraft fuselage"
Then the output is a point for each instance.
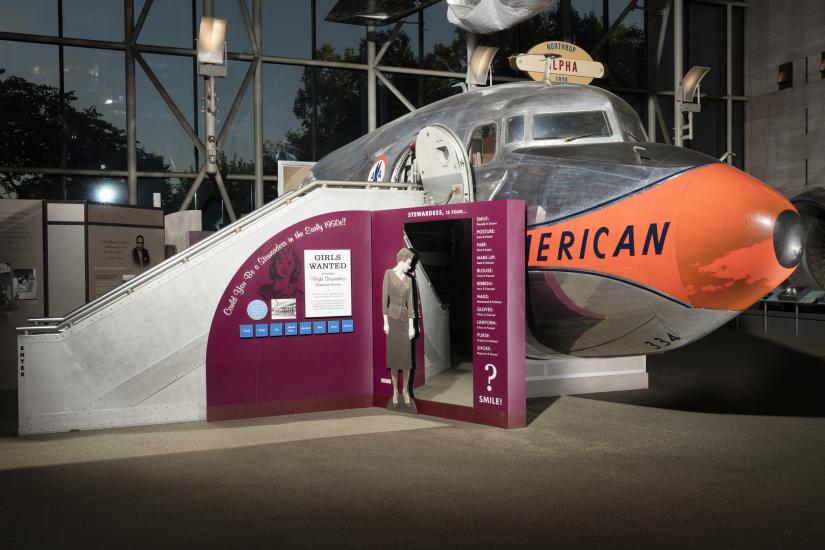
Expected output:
(632, 247)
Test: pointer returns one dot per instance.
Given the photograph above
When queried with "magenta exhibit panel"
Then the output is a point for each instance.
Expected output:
(312, 320)
(278, 345)
(495, 318)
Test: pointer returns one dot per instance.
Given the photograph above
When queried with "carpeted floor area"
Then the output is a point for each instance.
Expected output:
(726, 450)
(454, 386)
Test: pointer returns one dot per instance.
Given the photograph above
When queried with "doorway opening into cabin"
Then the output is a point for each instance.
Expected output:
(444, 289)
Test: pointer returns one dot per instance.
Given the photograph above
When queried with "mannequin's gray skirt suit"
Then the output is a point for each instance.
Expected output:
(397, 304)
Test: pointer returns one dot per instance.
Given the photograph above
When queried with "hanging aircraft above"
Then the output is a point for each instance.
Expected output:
(476, 16)
(375, 12)
(633, 247)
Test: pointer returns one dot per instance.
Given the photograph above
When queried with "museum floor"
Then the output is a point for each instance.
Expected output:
(726, 450)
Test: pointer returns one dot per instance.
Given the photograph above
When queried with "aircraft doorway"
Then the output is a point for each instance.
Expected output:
(444, 280)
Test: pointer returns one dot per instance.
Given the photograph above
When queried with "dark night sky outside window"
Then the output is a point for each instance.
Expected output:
(435, 88)
(281, 84)
(169, 23)
(439, 36)
(338, 41)
(287, 29)
(98, 80)
(31, 17)
(27, 67)
(158, 131)
(93, 19)
(341, 108)
(389, 106)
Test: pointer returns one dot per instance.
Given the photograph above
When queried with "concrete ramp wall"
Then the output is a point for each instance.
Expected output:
(141, 358)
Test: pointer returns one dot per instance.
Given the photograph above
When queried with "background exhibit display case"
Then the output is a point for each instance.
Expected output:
(56, 256)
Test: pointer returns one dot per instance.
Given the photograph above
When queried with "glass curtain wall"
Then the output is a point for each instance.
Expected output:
(64, 98)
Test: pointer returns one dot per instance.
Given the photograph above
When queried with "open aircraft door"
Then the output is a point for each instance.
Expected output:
(443, 166)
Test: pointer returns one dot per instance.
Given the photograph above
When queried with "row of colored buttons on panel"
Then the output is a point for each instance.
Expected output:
(295, 329)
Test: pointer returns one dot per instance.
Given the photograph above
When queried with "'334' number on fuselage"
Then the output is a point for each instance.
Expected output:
(661, 343)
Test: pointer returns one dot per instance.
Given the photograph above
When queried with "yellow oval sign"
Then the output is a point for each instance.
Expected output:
(573, 64)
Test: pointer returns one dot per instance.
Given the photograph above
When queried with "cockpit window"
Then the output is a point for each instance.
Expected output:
(515, 129)
(571, 126)
(483, 144)
(631, 125)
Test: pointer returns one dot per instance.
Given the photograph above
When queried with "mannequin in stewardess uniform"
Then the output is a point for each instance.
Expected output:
(398, 308)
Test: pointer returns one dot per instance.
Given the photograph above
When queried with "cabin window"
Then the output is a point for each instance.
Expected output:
(483, 144)
(571, 126)
(515, 129)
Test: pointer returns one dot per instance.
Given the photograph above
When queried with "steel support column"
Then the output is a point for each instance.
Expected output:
(657, 11)
(386, 45)
(131, 116)
(650, 21)
(230, 211)
(142, 19)
(164, 95)
(729, 82)
(190, 194)
(236, 105)
(678, 69)
(372, 82)
(258, 99)
(566, 20)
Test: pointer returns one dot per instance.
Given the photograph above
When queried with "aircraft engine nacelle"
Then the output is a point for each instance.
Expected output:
(811, 206)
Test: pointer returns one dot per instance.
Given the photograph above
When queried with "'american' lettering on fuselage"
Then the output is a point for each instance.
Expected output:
(547, 245)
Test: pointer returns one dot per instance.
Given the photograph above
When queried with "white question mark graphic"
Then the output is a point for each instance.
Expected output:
(492, 377)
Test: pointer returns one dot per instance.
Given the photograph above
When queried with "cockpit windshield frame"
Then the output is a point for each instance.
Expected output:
(572, 125)
(632, 126)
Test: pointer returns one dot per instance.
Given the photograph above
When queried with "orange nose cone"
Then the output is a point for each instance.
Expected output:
(737, 238)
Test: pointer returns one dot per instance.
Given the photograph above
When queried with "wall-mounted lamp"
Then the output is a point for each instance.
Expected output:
(211, 63)
(689, 89)
(478, 70)
(690, 83)
(212, 47)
